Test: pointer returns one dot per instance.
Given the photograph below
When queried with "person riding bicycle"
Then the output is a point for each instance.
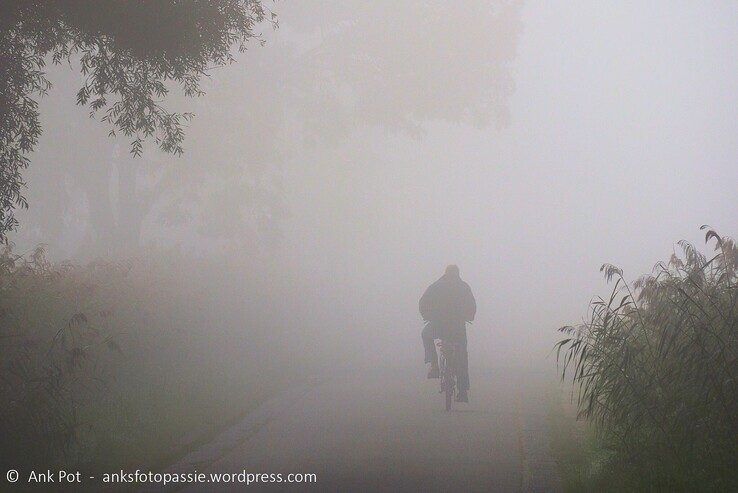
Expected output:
(446, 306)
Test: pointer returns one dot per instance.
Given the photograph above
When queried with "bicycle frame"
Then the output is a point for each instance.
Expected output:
(447, 368)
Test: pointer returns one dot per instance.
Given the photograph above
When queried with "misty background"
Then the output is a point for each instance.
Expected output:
(337, 169)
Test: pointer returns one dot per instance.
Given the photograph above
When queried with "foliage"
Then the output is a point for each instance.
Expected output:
(129, 54)
(106, 365)
(579, 456)
(429, 74)
(52, 336)
(655, 366)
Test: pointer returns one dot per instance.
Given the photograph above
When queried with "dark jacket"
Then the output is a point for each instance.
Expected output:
(448, 302)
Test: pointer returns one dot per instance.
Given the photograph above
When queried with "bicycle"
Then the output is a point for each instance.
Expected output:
(447, 368)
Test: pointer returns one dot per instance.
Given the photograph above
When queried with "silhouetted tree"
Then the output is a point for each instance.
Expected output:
(129, 54)
(328, 78)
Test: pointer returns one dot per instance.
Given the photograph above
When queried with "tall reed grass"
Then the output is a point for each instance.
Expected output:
(654, 367)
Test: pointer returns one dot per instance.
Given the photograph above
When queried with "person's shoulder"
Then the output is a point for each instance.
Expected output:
(438, 281)
(432, 287)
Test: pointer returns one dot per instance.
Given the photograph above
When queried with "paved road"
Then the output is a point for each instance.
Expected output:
(390, 433)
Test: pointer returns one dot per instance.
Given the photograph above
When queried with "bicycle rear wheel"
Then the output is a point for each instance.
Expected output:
(448, 376)
(449, 395)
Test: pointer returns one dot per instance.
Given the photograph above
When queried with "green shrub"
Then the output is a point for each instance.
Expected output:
(52, 336)
(130, 364)
(655, 369)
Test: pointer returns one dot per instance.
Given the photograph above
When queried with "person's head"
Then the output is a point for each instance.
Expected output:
(452, 271)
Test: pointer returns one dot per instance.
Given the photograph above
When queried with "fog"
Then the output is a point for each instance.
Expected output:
(340, 167)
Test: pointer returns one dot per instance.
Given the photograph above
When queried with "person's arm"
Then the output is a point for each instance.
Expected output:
(470, 309)
(424, 305)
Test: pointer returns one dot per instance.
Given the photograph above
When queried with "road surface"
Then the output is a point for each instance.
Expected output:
(389, 432)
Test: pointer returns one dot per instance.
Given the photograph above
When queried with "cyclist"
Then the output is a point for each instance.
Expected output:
(446, 306)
